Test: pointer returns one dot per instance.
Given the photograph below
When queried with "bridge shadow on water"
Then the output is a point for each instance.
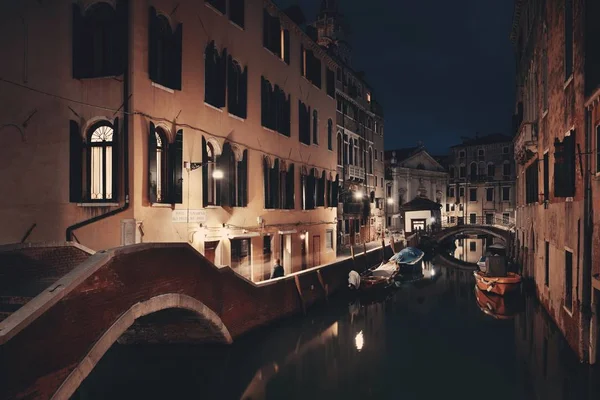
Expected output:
(434, 337)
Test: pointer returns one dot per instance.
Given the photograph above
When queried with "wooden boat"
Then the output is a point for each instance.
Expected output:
(408, 259)
(497, 284)
(493, 305)
(379, 277)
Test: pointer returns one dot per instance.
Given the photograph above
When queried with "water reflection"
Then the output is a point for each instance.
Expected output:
(429, 339)
(470, 248)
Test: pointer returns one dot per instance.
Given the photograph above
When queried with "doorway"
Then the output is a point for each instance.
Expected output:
(417, 225)
(316, 250)
(210, 250)
(285, 251)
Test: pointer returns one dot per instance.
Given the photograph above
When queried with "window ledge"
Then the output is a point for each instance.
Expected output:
(268, 129)
(544, 113)
(568, 81)
(107, 204)
(207, 4)
(161, 205)
(569, 199)
(236, 117)
(275, 55)
(161, 87)
(213, 107)
(570, 312)
(234, 24)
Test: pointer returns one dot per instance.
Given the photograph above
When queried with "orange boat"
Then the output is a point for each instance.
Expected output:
(493, 305)
(497, 284)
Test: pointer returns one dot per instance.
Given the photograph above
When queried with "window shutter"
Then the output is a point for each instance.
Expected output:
(287, 116)
(243, 94)
(120, 37)
(263, 101)
(242, 182)
(116, 157)
(176, 52)
(266, 176)
(75, 163)
(274, 192)
(221, 78)
(152, 172)
(275, 35)
(303, 187)
(152, 44)
(286, 46)
(226, 163)
(310, 190)
(236, 12)
(79, 44)
(204, 173)
(266, 26)
(290, 194)
(277, 109)
(176, 158)
(232, 87)
(335, 191)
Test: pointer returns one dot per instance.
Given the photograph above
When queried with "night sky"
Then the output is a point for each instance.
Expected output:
(442, 69)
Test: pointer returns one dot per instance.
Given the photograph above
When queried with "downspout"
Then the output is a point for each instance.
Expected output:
(588, 227)
(126, 110)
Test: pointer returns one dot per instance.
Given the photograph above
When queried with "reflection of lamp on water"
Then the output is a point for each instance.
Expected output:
(359, 341)
(358, 195)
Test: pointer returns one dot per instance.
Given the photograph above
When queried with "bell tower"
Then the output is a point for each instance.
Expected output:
(331, 30)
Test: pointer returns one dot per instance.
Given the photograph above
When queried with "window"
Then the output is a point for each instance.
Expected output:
(506, 169)
(98, 40)
(489, 218)
(275, 109)
(275, 38)
(315, 127)
(267, 252)
(389, 191)
(303, 123)
(278, 185)
(219, 5)
(461, 154)
(462, 171)
(491, 170)
(339, 75)
(311, 66)
(102, 165)
(472, 218)
(505, 218)
(237, 88)
(236, 12)
(451, 171)
(161, 166)
(339, 104)
(308, 182)
(480, 154)
(568, 280)
(489, 194)
(472, 246)
(568, 38)
(473, 171)
(506, 193)
(320, 190)
(447, 207)
(368, 97)
(241, 256)
(473, 194)
(461, 191)
(564, 166)
(375, 154)
(330, 136)
(381, 182)
(215, 73)
(207, 173)
(452, 220)
(330, 83)
(340, 149)
(547, 264)
(531, 183)
(164, 52)
(450, 191)
(329, 239)
(232, 189)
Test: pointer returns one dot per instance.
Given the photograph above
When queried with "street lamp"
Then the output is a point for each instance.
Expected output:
(192, 166)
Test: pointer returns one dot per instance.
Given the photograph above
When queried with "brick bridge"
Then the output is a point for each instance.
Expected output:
(64, 307)
(498, 228)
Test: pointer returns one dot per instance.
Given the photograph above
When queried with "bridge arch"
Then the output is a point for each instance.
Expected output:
(502, 234)
(124, 322)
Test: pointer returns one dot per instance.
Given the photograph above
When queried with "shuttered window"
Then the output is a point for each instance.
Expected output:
(531, 183)
(165, 163)
(275, 38)
(310, 66)
(164, 51)
(330, 136)
(303, 123)
(237, 12)
(102, 164)
(99, 40)
(275, 108)
(237, 88)
(330, 83)
(564, 166)
(315, 127)
(215, 76)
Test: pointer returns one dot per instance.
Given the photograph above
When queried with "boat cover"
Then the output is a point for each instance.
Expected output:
(354, 279)
(407, 255)
(386, 270)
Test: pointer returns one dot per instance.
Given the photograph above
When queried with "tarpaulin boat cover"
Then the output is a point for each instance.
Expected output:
(386, 270)
(354, 279)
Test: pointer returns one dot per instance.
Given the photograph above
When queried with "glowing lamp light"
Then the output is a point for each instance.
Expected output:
(432, 219)
(390, 200)
(359, 340)
(302, 236)
(218, 174)
(358, 195)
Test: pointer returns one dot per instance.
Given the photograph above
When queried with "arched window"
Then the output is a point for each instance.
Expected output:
(97, 41)
(340, 149)
(101, 161)
(315, 126)
(164, 51)
(473, 170)
(237, 88)
(491, 170)
(330, 135)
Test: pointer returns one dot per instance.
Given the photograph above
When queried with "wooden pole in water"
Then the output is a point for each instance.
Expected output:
(392, 244)
(365, 253)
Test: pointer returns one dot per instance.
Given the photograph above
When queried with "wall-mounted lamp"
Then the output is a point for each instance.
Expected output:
(192, 166)
(390, 201)
(358, 195)
(302, 236)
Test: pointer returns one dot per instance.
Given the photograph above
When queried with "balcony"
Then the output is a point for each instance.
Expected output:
(526, 142)
(354, 173)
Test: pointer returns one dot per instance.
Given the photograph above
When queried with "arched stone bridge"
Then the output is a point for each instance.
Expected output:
(500, 229)
(50, 344)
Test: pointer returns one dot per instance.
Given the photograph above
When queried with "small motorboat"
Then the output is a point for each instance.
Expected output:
(408, 259)
(497, 284)
(380, 277)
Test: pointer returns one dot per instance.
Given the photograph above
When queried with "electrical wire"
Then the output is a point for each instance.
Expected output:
(183, 125)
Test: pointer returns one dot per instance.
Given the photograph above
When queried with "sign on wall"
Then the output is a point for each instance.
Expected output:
(195, 216)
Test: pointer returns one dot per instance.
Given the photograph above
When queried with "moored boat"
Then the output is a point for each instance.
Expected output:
(408, 259)
(379, 277)
(497, 284)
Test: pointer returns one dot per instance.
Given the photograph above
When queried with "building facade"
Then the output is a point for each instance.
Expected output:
(359, 131)
(482, 181)
(121, 127)
(414, 174)
(556, 120)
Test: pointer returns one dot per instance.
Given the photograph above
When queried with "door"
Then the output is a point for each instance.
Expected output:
(316, 250)
(210, 250)
(417, 224)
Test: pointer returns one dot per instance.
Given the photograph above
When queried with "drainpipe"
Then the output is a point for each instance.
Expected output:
(588, 227)
(126, 109)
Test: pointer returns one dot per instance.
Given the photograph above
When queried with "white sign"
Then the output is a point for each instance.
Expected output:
(184, 216)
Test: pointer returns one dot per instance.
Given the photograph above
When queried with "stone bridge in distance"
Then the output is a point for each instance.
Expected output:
(497, 227)
(146, 292)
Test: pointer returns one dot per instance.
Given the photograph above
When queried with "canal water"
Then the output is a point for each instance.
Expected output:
(433, 338)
